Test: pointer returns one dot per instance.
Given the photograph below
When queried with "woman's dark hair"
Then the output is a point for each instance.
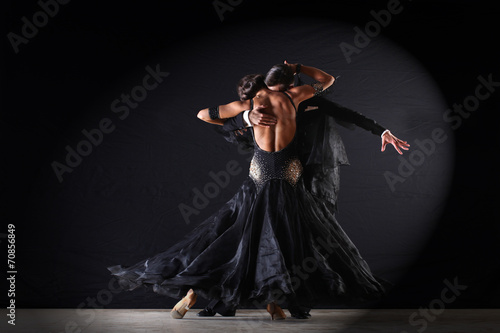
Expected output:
(280, 75)
(249, 85)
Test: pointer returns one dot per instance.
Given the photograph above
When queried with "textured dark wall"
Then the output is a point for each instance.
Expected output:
(120, 202)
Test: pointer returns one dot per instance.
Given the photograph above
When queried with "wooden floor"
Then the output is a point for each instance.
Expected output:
(351, 321)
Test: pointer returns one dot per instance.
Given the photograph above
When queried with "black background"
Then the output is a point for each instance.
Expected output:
(63, 79)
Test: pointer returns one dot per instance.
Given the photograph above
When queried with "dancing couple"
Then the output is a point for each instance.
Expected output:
(276, 242)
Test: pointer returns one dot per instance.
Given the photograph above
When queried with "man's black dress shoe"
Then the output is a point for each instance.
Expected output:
(298, 313)
(206, 312)
(215, 307)
(227, 313)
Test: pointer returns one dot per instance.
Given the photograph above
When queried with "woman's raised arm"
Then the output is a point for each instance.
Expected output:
(323, 81)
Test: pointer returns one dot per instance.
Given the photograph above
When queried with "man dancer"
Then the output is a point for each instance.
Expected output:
(320, 146)
(321, 149)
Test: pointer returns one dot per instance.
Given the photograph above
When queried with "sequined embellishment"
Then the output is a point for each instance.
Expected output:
(283, 164)
(293, 171)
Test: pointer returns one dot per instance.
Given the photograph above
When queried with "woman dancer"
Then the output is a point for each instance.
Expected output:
(320, 147)
(270, 243)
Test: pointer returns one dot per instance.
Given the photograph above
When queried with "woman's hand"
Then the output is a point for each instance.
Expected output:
(292, 66)
(398, 144)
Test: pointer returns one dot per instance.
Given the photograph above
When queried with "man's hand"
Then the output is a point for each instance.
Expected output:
(258, 118)
(388, 137)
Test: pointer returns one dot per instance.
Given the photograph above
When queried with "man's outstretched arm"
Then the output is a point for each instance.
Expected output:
(350, 116)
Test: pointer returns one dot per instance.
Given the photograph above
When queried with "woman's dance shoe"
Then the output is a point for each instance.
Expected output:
(275, 311)
(184, 305)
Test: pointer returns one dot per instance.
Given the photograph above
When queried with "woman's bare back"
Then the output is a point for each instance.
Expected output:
(278, 136)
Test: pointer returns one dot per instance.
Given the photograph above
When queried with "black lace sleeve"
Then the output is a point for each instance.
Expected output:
(318, 87)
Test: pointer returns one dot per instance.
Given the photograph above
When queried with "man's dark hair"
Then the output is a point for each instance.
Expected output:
(249, 85)
(280, 75)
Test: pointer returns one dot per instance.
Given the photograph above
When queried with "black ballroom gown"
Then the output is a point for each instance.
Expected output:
(273, 241)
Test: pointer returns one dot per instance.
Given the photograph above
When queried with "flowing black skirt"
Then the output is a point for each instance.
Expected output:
(274, 244)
